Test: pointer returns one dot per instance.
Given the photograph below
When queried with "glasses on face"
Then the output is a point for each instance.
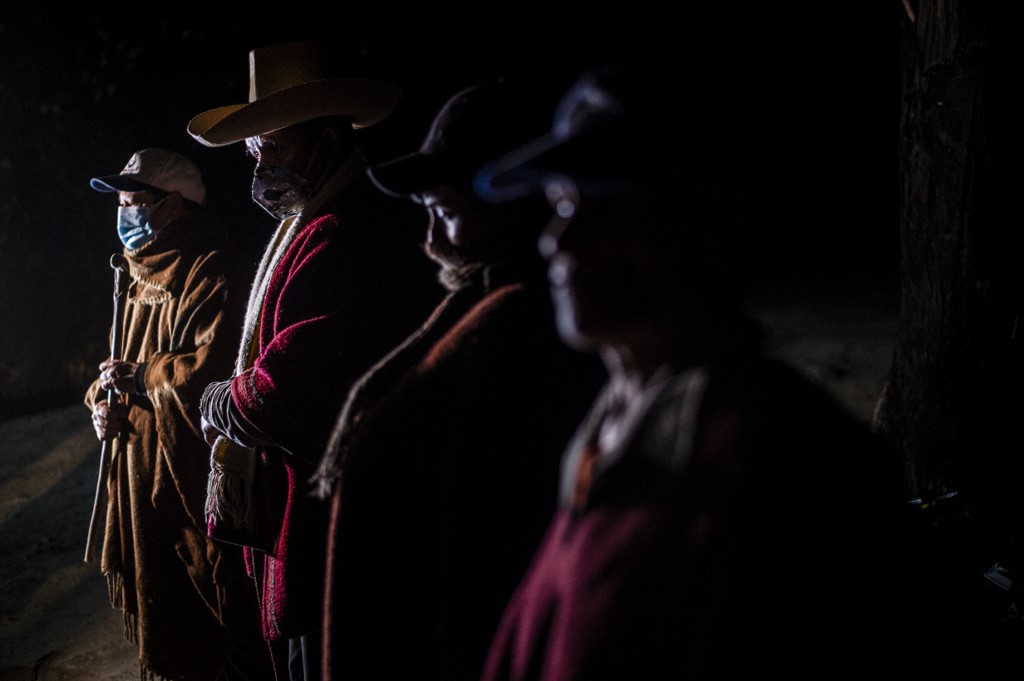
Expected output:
(564, 192)
(563, 196)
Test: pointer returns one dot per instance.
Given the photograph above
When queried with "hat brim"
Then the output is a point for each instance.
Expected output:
(120, 183)
(526, 170)
(410, 175)
(364, 102)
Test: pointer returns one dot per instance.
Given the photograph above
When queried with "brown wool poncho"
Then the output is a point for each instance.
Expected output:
(182, 318)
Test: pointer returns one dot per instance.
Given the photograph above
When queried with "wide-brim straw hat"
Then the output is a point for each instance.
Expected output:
(288, 85)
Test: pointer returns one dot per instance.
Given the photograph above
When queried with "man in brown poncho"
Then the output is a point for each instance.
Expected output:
(185, 599)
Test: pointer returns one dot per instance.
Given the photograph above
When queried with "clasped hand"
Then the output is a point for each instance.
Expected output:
(210, 431)
(108, 420)
(118, 375)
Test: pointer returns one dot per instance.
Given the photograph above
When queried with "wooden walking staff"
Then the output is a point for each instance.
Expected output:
(117, 262)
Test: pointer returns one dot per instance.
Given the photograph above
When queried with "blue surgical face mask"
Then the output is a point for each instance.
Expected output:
(134, 226)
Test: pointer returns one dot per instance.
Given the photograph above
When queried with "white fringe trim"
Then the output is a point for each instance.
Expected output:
(229, 495)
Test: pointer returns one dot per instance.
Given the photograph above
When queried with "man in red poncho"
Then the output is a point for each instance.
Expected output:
(337, 288)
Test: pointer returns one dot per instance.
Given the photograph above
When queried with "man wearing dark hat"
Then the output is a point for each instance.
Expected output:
(719, 515)
(442, 468)
(179, 590)
(342, 281)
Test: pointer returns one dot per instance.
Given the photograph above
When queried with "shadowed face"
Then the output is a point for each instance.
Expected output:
(144, 198)
(446, 220)
(292, 164)
(598, 268)
(464, 230)
(292, 147)
(457, 217)
(163, 206)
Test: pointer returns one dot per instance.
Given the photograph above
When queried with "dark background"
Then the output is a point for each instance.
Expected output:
(82, 89)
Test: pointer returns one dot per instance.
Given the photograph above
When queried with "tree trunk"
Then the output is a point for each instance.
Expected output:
(952, 400)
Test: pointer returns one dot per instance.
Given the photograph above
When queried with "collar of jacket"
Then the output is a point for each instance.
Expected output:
(164, 262)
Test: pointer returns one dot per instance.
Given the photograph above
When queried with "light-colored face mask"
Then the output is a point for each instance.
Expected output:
(134, 227)
(280, 191)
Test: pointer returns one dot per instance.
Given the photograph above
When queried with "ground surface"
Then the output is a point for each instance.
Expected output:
(55, 620)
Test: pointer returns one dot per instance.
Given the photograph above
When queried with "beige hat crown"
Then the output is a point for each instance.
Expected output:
(288, 84)
(156, 169)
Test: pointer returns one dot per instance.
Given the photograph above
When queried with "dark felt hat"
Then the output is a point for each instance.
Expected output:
(474, 125)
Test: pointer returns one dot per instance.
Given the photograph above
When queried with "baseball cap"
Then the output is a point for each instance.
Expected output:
(587, 140)
(620, 128)
(156, 169)
(473, 126)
